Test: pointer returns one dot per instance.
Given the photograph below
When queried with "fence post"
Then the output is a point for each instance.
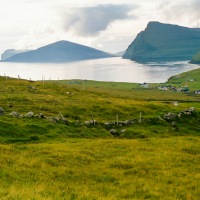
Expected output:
(93, 119)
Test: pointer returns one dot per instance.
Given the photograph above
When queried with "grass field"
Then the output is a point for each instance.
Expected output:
(102, 169)
(44, 158)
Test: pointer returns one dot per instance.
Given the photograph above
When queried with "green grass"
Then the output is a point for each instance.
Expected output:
(78, 100)
(185, 79)
(150, 160)
(102, 169)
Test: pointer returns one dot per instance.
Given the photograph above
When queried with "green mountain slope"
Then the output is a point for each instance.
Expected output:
(164, 42)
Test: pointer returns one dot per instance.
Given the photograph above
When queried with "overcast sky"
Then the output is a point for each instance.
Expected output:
(109, 25)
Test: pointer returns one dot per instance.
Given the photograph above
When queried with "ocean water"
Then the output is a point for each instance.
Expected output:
(108, 69)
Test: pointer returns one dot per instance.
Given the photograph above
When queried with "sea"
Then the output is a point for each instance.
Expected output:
(107, 69)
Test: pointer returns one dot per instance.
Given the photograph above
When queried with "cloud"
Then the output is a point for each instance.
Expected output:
(90, 21)
(182, 12)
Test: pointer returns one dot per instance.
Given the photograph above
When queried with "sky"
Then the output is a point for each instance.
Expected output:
(108, 25)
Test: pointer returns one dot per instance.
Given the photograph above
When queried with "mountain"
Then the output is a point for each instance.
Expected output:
(164, 42)
(11, 52)
(62, 51)
(119, 54)
(196, 58)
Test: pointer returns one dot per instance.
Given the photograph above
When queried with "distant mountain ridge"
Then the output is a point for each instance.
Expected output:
(61, 51)
(11, 52)
(164, 42)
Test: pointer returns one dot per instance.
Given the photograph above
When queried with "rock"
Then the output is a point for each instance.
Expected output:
(107, 124)
(192, 109)
(40, 115)
(123, 131)
(175, 103)
(31, 87)
(189, 111)
(114, 132)
(174, 124)
(87, 123)
(160, 118)
(1, 111)
(29, 115)
(56, 119)
(170, 116)
(14, 114)
(91, 122)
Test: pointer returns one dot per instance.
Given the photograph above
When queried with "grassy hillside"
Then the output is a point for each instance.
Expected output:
(79, 101)
(191, 79)
(55, 158)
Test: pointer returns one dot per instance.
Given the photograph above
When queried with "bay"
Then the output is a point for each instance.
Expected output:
(107, 69)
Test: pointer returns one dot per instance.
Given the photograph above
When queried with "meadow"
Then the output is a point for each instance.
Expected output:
(46, 158)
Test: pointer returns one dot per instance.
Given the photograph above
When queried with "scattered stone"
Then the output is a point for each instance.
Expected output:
(29, 115)
(160, 118)
(107, 124)
(189, 111)
(175, 103)
(31, 87)
(87, 123)
(170, 116)
(91, 122)
(14, 114)
(123, 131)
(40, 116)
(70, 93)
(56, 119)
(114, 132)
(174, 124)
(1, 111)
(197, 92)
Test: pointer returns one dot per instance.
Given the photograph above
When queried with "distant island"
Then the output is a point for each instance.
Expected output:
(164, 42)
(11, 52)
(196, 58)
(58, 52)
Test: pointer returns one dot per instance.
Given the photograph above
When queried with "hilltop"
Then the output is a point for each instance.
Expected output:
(164, 42)
(61, 51)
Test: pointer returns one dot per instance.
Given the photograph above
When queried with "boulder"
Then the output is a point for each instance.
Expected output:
(31, 87)
(29, 115)
(170, 116)
(114, 132)
(15, 114)
(174, 124)
(189, 111)
(123, 131)
(1, 111)
(40, 115)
